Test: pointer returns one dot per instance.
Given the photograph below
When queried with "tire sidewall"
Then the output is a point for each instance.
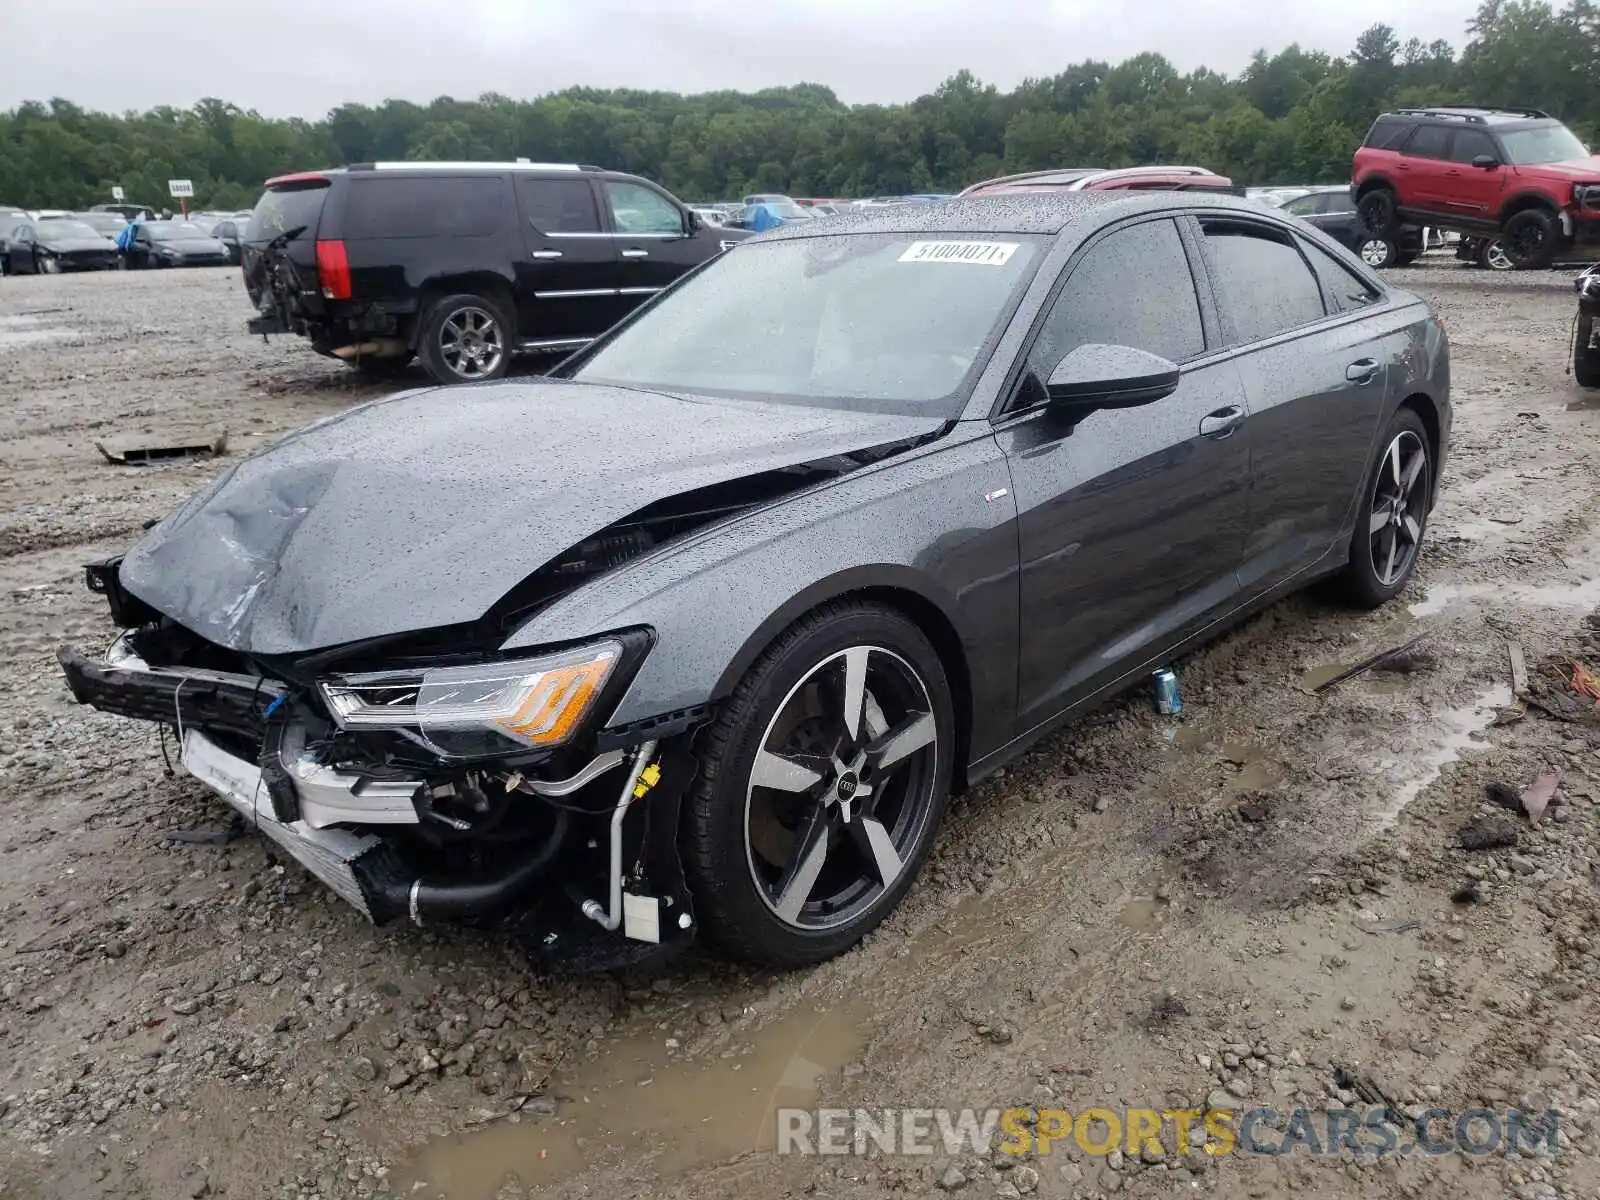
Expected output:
(1377, 212)
(1361, 575)
(1390, 254)
(1585, 358)
(428, 344)
(732, 911)
(1547, 247)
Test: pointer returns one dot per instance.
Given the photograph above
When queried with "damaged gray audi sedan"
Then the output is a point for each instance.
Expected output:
(701, 633)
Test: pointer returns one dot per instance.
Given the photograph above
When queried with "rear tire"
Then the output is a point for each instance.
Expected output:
(1530, 238)
(868, 804)
(1377, 252)
(1378, 213)
(466, 338)
(1585, 354)
(1393, 517)
(1492, 256)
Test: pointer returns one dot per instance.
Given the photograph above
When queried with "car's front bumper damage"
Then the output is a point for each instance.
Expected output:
(563, 849)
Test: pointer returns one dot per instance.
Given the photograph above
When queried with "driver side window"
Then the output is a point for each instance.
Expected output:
(638, 209)
(1133, 288)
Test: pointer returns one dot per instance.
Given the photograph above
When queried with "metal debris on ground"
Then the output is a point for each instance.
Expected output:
(1383, 656)
(1392, 925)
(217, 836)
(144, 456)
(1519, 668)
(1364, 1086)
(1565, 690)
(1169, 699)
(1537, 795)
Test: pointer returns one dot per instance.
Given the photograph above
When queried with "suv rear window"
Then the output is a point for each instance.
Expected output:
(287, 207)
(398, 206)
(1387, 133)
(559, 205)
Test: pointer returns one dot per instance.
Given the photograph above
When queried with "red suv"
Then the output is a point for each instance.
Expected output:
(1518, 175)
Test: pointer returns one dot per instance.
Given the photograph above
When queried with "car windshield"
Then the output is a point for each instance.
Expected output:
(53, 229)
(103, 222)
(174, 231)
(874, 322)
(1542, 144)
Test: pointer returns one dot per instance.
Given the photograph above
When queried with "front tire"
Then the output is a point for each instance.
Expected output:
(466, 338)
(1585, 354)
(1530, 239)
(1393, 518)
(1378, 212)
(1492, 256)
(822, 783)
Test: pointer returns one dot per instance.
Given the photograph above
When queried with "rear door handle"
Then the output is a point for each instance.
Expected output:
(1221, 423)
(1362, 370)
(547, 254)
(636, 254)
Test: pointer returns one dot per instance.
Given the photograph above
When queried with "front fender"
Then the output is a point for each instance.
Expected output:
(938, 523)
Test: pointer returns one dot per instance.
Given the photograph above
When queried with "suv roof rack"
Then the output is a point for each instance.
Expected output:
(1473, 116)
(471, 166)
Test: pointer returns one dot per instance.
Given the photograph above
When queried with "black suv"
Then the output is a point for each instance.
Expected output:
(462, 264)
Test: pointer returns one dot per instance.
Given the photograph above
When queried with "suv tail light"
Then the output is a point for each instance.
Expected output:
(333, 270)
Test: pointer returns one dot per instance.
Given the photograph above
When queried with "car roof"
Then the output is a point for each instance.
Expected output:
(1470, 115)
(1013, 212)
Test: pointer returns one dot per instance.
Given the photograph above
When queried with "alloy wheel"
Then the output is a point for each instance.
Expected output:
(1399, 507)
(471, 344)
(1527, 241)
(1495, 256)
(1375, 252)
(841, 790)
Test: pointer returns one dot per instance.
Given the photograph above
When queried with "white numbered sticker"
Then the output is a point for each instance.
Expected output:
(984, 254)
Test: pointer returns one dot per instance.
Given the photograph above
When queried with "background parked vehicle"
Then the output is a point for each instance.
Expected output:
(1586, 332)
(463, 265)
(1513, 175)
(156, 244)
(50, 247)
(1078, 179)
(107, 225)
(131, 212)
(230, 232)
(1333, 210)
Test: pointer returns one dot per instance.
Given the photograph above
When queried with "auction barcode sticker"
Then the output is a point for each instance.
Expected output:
(987, 254)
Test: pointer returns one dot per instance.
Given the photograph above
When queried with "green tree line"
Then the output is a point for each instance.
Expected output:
(1293, 116)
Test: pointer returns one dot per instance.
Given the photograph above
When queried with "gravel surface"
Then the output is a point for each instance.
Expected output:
(1267, 901)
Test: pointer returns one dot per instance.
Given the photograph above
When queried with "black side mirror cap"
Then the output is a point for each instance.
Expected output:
(1100, 376)
(1486, 162)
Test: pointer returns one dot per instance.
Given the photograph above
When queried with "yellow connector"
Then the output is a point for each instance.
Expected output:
(648, 778)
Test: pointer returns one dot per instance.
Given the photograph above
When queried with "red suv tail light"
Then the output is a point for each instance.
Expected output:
(333, 270)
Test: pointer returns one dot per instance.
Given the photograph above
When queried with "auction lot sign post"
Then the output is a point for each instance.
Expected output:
(181, 190)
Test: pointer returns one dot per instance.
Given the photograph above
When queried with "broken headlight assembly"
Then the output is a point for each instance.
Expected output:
(483, 710)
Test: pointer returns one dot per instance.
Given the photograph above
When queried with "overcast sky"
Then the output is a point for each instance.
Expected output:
(303, 57)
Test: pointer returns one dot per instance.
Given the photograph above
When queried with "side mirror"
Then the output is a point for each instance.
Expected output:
(1099, 376)
(1485, 162)
(696, 222)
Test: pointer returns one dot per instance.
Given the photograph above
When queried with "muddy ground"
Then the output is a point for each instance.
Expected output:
(1252, 902)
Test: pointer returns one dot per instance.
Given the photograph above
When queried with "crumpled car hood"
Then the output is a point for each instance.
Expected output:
(423, 510)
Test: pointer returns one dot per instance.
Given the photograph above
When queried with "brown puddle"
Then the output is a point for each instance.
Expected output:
(690, 1112)
(1143, 915)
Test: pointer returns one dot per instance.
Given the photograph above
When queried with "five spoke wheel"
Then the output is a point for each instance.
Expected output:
(1399, 507)
(841, 788)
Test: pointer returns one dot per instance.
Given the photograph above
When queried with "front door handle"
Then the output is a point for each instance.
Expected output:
(547, 254)
(1362, 370)
(636, 254)
(1221, 423)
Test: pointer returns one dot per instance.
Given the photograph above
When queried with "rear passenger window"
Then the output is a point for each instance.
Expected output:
(1387, 133)
(1429, 141)
(559, 205)
(1263, 284)
(1349, 290)
(1133, 288)
(393, 206)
